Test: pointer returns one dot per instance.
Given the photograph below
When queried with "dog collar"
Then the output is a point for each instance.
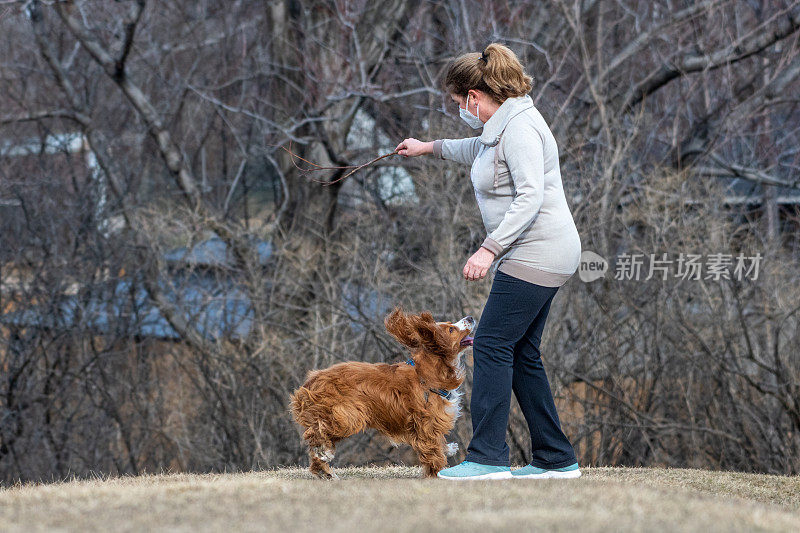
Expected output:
(446, 394)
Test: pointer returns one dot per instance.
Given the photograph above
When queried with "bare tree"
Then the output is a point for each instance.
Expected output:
(169, 274)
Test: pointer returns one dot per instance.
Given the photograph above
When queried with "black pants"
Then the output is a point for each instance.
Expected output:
(506, 355)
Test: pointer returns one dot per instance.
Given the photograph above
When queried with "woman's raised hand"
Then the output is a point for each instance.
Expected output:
(478, 265)
(412, 147)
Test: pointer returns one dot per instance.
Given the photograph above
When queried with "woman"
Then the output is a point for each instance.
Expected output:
(534, 245)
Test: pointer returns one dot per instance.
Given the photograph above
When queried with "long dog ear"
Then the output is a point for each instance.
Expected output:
(402, 328)
(432, 337)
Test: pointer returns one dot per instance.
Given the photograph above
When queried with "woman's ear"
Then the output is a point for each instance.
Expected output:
(474, 100)
(401, 328)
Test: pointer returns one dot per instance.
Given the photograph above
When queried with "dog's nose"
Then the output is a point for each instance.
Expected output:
(466, 323)
(469, 321)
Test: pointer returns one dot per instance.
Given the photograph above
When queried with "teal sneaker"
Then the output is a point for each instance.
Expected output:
(469, 470)
(534, 472)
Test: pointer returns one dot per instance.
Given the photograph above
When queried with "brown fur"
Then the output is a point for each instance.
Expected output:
(395, 399)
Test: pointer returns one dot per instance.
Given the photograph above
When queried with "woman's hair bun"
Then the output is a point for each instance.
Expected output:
(503, 73)
(496, 71)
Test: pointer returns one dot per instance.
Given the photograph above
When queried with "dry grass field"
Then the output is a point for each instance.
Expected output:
(392, 499)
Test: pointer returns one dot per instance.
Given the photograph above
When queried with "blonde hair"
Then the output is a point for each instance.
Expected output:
(496, 71)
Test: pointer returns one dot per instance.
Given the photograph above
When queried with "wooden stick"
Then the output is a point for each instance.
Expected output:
(360, 167)
(355, 168)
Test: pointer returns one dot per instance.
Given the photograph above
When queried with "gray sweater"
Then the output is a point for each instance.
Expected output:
(517, 182)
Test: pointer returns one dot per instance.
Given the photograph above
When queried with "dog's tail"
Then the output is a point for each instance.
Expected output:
(300, 402)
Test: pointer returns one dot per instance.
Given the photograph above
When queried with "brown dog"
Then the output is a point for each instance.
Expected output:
(414, 402)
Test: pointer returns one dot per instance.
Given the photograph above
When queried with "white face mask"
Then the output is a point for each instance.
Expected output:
(472, 120)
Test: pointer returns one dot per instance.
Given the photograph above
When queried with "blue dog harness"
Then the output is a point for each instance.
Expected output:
(446, 394)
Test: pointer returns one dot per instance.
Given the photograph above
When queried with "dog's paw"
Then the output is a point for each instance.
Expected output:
(323, 454)
(450, 449)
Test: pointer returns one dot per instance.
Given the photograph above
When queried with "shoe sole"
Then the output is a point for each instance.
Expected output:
(552, 474)
(493, 475)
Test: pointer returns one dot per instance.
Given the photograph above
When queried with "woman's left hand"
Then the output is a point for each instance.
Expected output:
(478, 265)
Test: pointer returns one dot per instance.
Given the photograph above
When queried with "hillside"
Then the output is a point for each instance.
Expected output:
(391, 499)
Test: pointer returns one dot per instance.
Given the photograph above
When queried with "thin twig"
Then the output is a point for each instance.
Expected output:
(355, 168)
(362, 166)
